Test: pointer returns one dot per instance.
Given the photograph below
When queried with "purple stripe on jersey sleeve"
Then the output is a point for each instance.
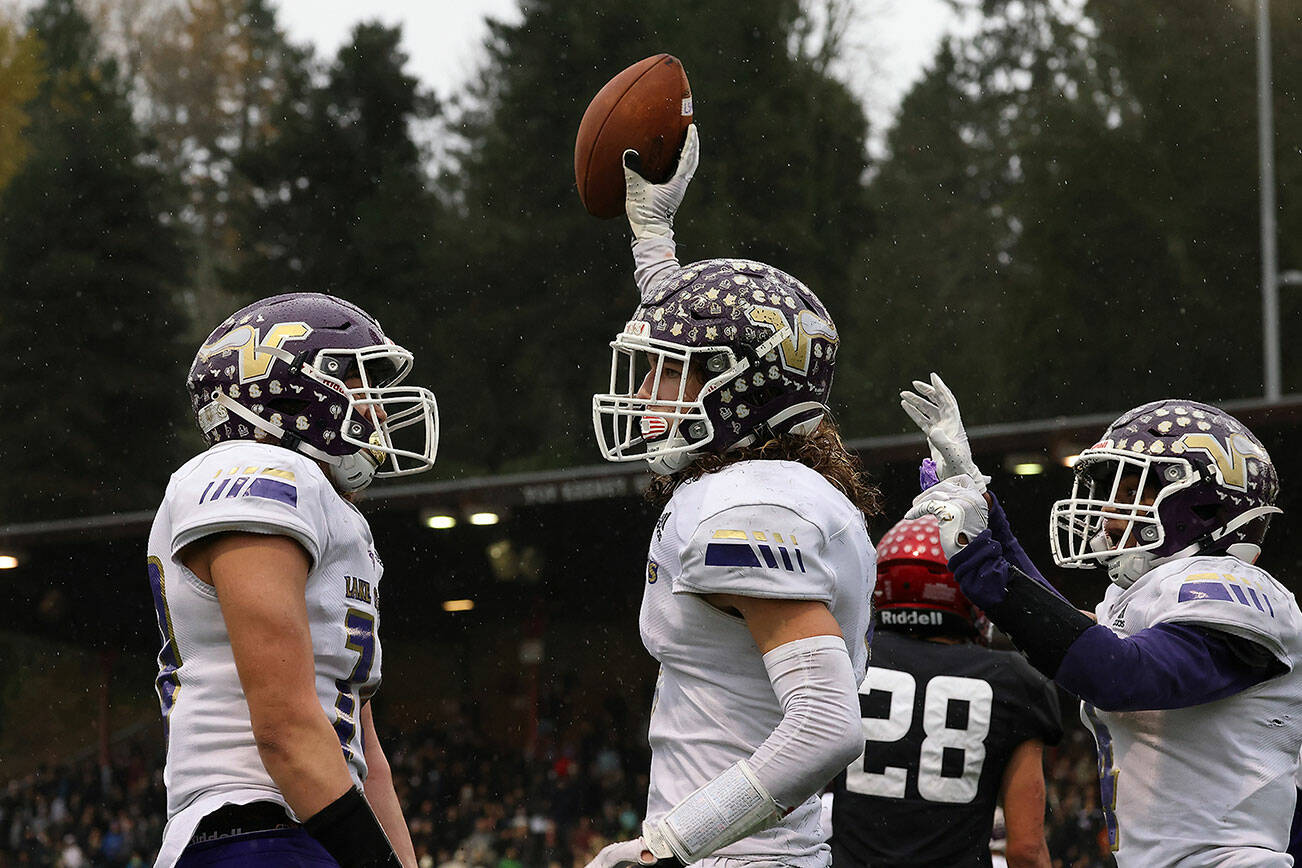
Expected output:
(274, 489)
(1204, 591)
(1161, 667)
(730, 555)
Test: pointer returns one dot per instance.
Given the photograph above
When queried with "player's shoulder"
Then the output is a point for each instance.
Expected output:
(241, 475)
(1209, 577)
(767, 486)
(251, 487)
(247, 458)
(1224, 592)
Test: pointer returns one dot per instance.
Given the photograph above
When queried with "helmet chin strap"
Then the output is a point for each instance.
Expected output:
(1126, 568)
(349, 472)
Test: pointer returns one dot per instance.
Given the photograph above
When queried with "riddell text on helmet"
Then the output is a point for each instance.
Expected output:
(911, 618)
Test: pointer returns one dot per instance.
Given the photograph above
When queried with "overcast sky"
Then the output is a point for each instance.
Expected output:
(892, 39)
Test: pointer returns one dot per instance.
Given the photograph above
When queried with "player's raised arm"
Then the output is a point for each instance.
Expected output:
(934, 409)
(651, 209)
(635, 153)
(1173, 501)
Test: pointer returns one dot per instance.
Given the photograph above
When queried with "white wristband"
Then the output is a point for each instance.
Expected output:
(731, 806)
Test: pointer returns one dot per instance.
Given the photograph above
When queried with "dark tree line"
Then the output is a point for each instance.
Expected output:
(1064, 220)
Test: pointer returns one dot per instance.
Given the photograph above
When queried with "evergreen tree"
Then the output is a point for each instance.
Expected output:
(1193, 76)
(90, 357)
(1068, 212)
(340, 200)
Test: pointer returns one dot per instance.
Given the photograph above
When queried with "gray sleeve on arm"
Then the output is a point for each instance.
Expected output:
(655, 260)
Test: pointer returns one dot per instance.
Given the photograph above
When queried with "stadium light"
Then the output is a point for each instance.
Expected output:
(458, 605)
(484, 518)
(1025, 463)
(8, 562)
(440, 521)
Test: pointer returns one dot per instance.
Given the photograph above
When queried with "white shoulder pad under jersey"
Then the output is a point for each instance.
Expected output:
(1218, 592)
(252, 487)
(765, 529)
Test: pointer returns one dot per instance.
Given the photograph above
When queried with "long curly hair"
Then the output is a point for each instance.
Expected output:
(822, 451)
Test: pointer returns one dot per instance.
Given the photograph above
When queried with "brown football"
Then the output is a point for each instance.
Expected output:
(648, 108)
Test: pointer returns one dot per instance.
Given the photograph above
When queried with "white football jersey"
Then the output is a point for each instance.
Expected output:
(1209, 785)
(245, 486)
(771, 529)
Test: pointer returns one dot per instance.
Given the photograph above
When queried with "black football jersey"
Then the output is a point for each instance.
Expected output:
(940, 723)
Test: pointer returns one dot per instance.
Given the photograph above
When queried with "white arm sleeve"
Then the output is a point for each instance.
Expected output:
(820, 732)
(654, 260)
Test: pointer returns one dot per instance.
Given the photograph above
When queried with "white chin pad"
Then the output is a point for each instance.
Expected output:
(1100, 543)
(353, 472)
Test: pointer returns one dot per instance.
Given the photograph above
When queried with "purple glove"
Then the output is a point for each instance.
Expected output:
(981, 571)
(928, 475)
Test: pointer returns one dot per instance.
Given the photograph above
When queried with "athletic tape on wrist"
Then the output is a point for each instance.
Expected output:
(733, 805)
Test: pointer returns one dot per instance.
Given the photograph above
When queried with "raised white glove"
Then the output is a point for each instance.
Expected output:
(959, 507)
(932, 408)
(623, 854)
(651, 207)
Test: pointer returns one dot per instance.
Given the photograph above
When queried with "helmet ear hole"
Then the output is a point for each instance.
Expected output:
(287, 406)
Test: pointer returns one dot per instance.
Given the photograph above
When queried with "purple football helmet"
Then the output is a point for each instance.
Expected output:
(1209, 484)
(760, 341)
(279, 371)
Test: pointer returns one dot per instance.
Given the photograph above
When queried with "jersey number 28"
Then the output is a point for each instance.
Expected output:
(940, 735)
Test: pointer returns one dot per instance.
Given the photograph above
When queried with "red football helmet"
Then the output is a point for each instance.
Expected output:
(915, 589)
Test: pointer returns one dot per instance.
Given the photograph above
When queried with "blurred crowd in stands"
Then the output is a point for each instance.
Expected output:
(470, 804)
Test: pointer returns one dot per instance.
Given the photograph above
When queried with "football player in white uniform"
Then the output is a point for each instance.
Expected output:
(760, 570)
(1188, 672)
(266, 587)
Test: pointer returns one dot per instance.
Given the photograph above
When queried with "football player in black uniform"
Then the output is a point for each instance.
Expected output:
(950, 726)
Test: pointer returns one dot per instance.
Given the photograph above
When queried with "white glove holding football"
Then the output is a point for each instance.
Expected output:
(623, 854)
(932, 408)
(651, 207)
(959, 507)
